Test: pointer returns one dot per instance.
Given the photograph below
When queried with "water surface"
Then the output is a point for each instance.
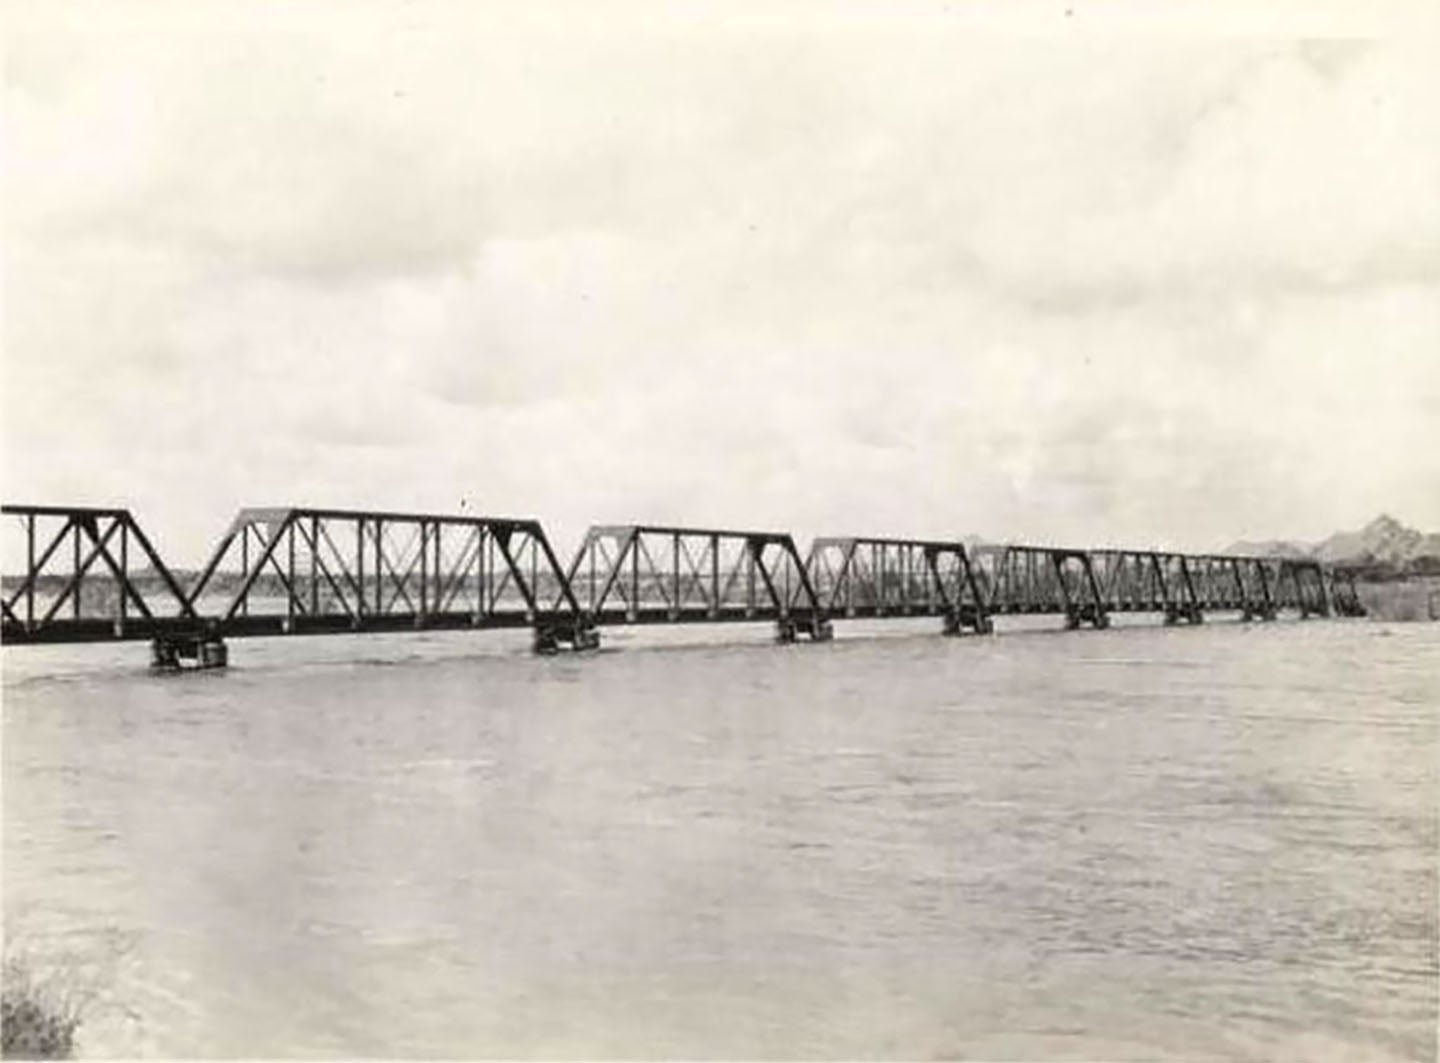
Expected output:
(1195, 844)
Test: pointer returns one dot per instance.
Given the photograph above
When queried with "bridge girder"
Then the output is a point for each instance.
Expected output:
(885, 577)
(317, 571)
(643, 574)
(60, 599)
(296, 570)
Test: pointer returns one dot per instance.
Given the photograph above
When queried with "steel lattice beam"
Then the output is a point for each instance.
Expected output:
(314, 571)
(1041, 579)
(649, 574)
(309, 571)
(874, 577)
(81, 583)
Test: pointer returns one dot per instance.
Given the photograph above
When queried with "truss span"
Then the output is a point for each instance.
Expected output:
(651, 574)
(879, 578)
(311, 571)
(89, 574)
(77, 574)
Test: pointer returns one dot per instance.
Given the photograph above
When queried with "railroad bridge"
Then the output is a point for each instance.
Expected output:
(77, 574)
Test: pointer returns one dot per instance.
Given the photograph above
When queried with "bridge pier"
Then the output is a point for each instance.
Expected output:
(788, 630)
(1086, 613)
(1189, 612)
(207, 651)
(957, 620)
(547, 638)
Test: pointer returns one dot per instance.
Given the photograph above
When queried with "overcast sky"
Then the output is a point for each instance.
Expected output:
(1067, 274)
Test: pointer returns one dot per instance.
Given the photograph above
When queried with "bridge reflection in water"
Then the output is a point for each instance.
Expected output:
(75, 574)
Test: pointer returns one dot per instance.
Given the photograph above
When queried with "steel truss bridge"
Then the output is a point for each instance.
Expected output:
(74, 574)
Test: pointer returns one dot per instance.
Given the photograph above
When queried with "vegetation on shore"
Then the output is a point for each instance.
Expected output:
(38, 1018)
(1401, 599)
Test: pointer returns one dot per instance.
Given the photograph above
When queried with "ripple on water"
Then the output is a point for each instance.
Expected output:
(1212, 843)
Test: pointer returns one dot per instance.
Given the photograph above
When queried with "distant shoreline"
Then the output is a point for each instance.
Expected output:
(1402, 598)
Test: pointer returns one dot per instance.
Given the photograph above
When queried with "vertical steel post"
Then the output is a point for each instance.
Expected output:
(487, 570)
(30, 571)
(481, 544)
(290, 581)
(314, 565)
(493, 588)
(379, 567)
(124, 570)
(436, 604)
(635, 569)
(359, 568)
(79, 579)
(424, 564)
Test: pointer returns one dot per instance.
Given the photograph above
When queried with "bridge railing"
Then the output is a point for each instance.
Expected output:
(88, 573)
(311, 571)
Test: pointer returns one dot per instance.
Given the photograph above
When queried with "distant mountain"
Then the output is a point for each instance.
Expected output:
(1383, 539)
(1268, 548)
(1384, 546)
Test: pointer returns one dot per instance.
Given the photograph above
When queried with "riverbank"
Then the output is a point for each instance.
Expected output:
(1417, 598)
(37, 1020)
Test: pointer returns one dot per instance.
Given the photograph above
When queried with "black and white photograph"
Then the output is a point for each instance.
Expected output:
(720, 531)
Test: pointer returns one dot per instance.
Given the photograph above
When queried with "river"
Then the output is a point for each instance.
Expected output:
(1212, 843)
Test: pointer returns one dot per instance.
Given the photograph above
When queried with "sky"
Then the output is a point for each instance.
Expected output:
(1071, 273)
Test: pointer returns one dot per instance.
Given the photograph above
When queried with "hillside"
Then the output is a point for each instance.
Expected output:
(1383, 548)
(1267, 548)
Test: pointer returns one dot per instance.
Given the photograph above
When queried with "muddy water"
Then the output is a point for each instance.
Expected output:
(1216, 843)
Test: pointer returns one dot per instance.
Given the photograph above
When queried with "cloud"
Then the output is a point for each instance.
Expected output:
(859, 270)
